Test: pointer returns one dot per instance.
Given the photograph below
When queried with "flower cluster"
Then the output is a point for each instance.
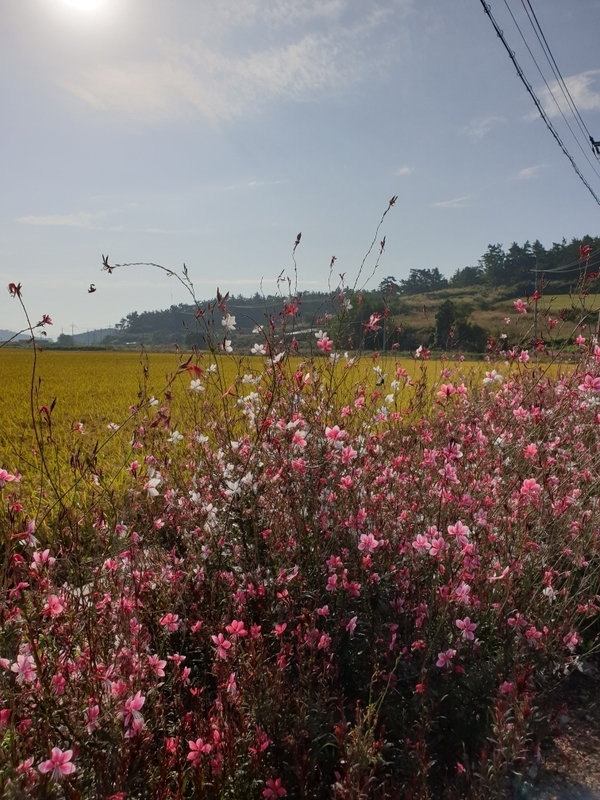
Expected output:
(296, 563)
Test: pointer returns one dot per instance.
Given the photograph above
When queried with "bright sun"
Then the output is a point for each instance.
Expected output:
(87, 5)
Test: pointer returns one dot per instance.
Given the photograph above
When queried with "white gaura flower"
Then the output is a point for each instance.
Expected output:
(258, 350)
(154, 480)
(196, 386)
(226, 346)
(150, 486)
(228, 322)
(175, 437)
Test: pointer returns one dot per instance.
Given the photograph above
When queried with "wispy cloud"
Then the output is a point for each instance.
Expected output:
(156, 230)
(478, 128)
(401, 172)
(232, 72)
(580, 88)
(251, 185)
(81, 219)
(457, 202)
(529, 172)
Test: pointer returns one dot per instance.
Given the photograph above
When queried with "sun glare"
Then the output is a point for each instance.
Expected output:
(86, 5)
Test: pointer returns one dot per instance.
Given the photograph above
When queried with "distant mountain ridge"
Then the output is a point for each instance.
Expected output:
(5, 335)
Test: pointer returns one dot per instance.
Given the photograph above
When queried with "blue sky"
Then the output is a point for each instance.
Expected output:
(211, 133)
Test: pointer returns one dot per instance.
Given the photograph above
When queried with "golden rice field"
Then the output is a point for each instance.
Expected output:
(101, 397)
(97, 388)
(97, 400)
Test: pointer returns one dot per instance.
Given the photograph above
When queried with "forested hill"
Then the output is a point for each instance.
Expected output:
(478, 295)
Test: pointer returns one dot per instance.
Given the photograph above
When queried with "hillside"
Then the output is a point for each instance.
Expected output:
(463, 312)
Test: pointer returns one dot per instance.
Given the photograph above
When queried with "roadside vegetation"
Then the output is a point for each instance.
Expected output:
(320, 575)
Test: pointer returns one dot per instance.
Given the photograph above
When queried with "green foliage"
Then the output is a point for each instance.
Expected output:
(420, 281)
(468, 276)
(453, 329)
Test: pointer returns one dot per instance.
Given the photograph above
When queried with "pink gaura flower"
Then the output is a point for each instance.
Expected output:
(170, 622)
(232, 688)
(368, 543)
(421, 543)
(348, 454)
(335, 434)
(24, 667)
(532, 635)
(325, 344)
(130, 712)
(42, 559)
(520, 306)
(59, 764)
(530, 489)
(446, 390)
(517, 620)
(197, 750)
(351, 626)
(93, 713)
(157, 665)
(437, 546)
(524, 356)
(571, 641)
(445, 658)
(467, 627)
(462, 593)
(590, 383)
(236, 628)
(332, 581)
(5, 714)
(8, 477)
(372, 324)
(274, 789)
(530, 452)
(222, 644)
(299, 439)
(460, 531)
(54, 606)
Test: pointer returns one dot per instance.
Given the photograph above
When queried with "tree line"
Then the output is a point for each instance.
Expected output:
(515, 268)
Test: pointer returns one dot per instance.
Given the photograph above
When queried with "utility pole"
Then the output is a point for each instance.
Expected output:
(535, 304)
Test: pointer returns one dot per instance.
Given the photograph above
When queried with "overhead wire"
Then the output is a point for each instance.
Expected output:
(537, 102)
(535, 24)
(552, 95)
(581, 266)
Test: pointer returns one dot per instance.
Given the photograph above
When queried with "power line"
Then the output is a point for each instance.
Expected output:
(555, 68)
(581, 266)
(535, 99)
(558, 106)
